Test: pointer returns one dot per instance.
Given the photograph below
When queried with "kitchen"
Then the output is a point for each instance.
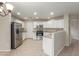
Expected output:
(32, 30)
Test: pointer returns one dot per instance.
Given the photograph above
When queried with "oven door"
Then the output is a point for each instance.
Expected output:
(39, 33)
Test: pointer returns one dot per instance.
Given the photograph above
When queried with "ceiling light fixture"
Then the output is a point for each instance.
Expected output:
(25, 18)
(48, 17)
(51, 13)
(9, 7)
(37, 17)
(5, 9)
(35, 13)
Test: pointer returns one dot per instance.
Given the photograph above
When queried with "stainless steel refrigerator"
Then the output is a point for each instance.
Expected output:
(16, 35)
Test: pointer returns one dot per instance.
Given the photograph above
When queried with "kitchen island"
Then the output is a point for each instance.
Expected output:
(53, 43)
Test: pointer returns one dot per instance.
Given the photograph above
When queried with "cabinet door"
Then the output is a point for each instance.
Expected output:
(45, 25)
(60, 24)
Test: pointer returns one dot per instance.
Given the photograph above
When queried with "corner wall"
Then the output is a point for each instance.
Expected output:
(5, 34)
(67, 29)
(75, 28)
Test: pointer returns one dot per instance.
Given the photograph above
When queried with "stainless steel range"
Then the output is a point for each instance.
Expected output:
(39, 32)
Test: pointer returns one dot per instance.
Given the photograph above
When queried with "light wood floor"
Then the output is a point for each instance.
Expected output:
(34, 48)
(73, 50)
(28, 48)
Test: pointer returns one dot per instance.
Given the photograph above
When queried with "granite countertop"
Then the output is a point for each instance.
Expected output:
(50, 29)
(46, 30)
(50, 35)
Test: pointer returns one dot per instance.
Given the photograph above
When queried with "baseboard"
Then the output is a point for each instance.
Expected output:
(60, 50)
(66, 44)
(29, 38)
(75, 39)
(5, 50)
(24, 39)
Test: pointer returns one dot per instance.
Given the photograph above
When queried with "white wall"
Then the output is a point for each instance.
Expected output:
(29, 26)
(67, 29)
(5, 30)
(75, 28)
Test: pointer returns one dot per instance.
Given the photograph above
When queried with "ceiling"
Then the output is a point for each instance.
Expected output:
(43, 9)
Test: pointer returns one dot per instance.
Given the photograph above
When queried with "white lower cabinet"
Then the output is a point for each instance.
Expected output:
(48, 46)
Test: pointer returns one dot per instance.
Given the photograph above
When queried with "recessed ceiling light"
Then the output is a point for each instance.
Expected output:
(48, 17)
(51, 13)
(35, 13)
(18, 13)
(25, 18)
(37, 17)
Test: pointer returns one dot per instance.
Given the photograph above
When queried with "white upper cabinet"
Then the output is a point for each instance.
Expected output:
(60, 24)
(39, 23)
(55, 24)
(50, 24)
